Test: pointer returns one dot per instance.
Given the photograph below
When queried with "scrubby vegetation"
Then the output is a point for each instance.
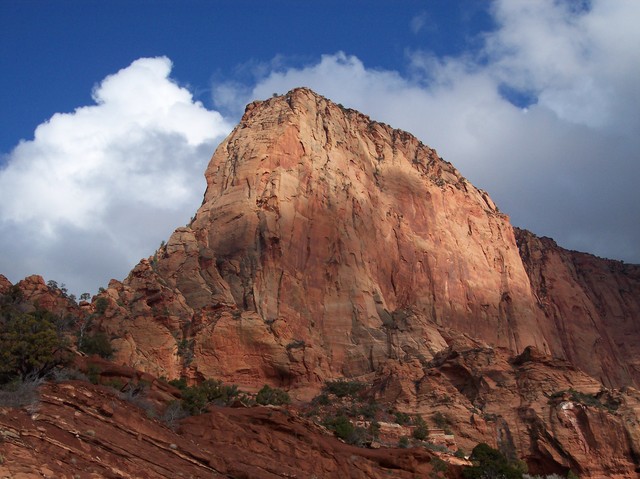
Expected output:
(421, 431)
(342, 388)
(97, 343)
(275, 396)
(32, 344)
(489, 462)
(196, 399)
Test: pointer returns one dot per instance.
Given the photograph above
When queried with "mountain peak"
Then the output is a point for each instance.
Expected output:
(326, 246)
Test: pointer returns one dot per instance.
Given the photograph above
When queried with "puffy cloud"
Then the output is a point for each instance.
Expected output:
(99, 188)
(564, 166)
(421, 22)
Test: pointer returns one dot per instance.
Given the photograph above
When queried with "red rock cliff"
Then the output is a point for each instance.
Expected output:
(328, 244)
(594, 304)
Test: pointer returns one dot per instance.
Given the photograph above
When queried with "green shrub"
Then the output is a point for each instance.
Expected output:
(98, 344)
(30, 345)
(196, 399)
(403, 442)
(442, 422)
(185, 351)
(439, 465)
(179, 383)
(421, 431)
(489, 462)
(275, 396)
(321, 400)
(368, 410)
(402, 418)
(101, 305)
(342, 388)
(342, 427)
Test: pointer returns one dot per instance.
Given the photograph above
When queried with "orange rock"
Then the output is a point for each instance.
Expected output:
(328, 246)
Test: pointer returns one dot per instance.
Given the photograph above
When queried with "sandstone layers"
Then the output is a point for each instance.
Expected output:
(87, 431)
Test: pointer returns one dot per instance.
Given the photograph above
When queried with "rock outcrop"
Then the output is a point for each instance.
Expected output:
(80, 430)
(545, 411)
(326, 244)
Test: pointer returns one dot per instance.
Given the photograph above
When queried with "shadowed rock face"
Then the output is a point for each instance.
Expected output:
(594, 305)
(542, 410)
(326, 245)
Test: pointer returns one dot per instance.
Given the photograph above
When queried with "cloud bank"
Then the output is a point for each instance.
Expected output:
(544, 116)
(99, 188)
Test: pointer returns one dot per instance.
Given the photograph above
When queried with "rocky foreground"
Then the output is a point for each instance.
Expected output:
(331, 246)
(79, 430)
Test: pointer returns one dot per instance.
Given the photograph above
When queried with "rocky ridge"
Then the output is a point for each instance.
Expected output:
(78, 430)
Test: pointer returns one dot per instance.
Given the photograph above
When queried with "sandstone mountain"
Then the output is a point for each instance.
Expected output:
(332, 246)
(328, 244)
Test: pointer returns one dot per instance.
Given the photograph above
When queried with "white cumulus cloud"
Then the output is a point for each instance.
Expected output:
(565, 166)
(100, 187)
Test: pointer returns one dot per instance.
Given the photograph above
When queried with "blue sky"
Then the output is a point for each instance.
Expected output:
(55, 52)
(111, 111)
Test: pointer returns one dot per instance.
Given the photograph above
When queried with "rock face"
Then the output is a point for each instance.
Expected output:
(594, 305)
(326, 244)
(545, 411)
(32, 293)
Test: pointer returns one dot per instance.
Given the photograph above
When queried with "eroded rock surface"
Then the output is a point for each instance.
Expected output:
(594, 304)
(542, 410)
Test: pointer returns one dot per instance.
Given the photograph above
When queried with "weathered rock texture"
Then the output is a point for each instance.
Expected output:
(545, 411)
(35, 294)
(329, 245)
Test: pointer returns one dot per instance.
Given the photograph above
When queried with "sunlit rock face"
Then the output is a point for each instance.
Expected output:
(328, 244)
